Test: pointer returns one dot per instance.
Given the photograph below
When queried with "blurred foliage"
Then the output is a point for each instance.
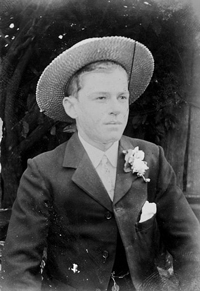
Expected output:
(34, 32)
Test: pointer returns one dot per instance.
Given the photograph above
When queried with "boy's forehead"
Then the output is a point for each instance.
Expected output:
(103, 80)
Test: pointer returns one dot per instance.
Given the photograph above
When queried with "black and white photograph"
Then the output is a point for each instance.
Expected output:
(99, 145)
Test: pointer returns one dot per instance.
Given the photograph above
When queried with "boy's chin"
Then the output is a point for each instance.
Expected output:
(113, 138)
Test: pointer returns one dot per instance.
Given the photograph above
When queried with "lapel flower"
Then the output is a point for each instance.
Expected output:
(134, 161)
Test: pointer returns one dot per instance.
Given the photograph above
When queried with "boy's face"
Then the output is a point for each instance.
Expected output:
(102, 106)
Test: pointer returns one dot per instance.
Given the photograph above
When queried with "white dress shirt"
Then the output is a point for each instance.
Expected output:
(107, 173)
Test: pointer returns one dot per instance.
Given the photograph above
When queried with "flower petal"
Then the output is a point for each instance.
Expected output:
(139, 155)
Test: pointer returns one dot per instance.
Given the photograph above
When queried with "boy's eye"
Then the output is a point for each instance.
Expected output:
(123, 97)
(101, 97)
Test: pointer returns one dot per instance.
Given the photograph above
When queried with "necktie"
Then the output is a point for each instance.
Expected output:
(106, 176)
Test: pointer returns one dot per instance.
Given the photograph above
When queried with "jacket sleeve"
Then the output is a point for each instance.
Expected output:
(180, 229)
(27, 232)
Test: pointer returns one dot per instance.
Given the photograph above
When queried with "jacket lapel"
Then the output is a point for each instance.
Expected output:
(124, 180)
(85, 175)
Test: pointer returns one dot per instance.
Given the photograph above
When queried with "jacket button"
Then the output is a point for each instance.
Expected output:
(108, 215)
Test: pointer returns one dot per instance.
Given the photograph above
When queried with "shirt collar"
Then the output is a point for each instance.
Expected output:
(96, 155)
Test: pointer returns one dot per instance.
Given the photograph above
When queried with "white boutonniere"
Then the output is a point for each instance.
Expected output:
(134, 161)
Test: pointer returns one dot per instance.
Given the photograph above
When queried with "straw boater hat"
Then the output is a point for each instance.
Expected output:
(133, 56)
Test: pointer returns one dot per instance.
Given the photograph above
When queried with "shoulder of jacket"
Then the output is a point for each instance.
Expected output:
(142, 144)
(52, 156)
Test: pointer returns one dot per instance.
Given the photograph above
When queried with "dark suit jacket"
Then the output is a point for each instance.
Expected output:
(63, 205)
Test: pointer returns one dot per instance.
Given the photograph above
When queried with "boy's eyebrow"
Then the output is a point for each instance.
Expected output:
(105, 92)
(125, 92)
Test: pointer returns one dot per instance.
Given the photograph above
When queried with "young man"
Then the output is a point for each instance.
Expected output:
(101, 204)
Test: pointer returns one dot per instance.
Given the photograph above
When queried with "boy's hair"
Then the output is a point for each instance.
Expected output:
(74, 84)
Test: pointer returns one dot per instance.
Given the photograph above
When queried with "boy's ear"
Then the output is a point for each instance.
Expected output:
(69, 106)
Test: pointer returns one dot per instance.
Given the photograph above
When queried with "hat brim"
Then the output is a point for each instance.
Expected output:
(136, 59)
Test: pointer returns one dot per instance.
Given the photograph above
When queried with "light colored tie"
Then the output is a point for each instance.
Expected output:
(106, 176)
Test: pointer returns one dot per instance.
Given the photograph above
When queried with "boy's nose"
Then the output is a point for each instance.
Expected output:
(114, 107)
